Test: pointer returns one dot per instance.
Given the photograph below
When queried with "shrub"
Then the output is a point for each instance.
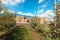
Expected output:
(19, 33)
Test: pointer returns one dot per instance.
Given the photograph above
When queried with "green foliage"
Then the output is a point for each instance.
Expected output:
(1, 28)
(7, 20)
(50, 33)
(34, 22)
(19, 33)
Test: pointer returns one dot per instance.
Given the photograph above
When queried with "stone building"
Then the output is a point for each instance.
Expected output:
(42, 20)
(22, 19)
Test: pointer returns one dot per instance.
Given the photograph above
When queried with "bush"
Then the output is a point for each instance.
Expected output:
(7, 20)
(19, 33)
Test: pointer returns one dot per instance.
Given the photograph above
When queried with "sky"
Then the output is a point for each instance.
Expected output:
(40, 8)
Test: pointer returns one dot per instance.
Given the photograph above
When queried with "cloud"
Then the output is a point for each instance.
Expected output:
(19, 12)
(45, 5)
(27, 14)
(40, 1)
(12, 2)
(41, 11)
(2, 12)
(11, 11)
(49, 14)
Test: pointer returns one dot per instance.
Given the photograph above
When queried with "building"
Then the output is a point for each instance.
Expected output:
(42, 20)
(22, 19)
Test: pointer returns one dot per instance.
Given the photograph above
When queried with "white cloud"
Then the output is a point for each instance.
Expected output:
(45, 5)
(40, 1)
(12, 2)
(19, 1)
(27, 14)
(40, 11)
(11, 11)
(2, 12)
(19, 12)
(49, 14)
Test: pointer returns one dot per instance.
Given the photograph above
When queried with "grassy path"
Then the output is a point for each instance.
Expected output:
(33, 33)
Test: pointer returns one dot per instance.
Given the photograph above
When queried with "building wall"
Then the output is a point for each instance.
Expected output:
(42, 20)
(21, 19)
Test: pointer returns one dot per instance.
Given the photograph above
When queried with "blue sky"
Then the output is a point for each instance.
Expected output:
(41, 8)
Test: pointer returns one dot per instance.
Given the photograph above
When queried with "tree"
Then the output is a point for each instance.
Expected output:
(0, 6)
(7, 23)
(34, 22)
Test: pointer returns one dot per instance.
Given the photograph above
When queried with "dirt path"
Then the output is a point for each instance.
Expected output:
(33, 33)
